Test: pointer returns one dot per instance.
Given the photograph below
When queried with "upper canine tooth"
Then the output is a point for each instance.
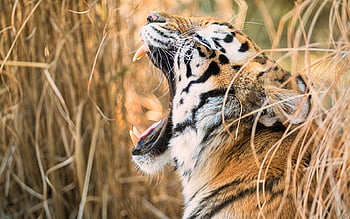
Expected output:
(141, 52)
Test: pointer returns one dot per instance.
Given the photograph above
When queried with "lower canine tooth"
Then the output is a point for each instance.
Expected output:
(136, 132)
(133, 137)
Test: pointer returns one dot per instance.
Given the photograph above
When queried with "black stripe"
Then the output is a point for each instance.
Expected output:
(260, 74)
(176, 163)
(218, 45)
(180, 127)
(162, 33)
(244, 47)
(261, 59)
(228, 38)
(187, 60)
(210, 131)
(158, 41)
(202, 41)
(181, 101)
(229, 201)
(285, 77)
(187, 173)
(195, 194)
(276, 127)
(164, 28)
(307, 159)
(223, 59)
(268, 188)
(236, 67)
(212, 55)
(213, 69)
(221, 24)
(203, 203)
(235, 182)
(224, 24)
(212, 93)
(201, 54)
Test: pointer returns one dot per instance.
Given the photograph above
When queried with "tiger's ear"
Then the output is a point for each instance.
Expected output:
(286, 105)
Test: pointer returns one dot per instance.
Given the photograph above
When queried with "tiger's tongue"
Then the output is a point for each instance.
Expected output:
(149, 130)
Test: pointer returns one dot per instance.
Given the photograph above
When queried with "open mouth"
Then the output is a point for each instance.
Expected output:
(154, 141)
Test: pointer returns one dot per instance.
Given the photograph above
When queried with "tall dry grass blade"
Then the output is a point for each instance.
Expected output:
(79, 155)
(25, 64)
(91, 76)
(271, 31)
(18, 34)
(38, 153)
(242, 13)
(154, 210)
(90, 162)
(62, 106)
(26, 187)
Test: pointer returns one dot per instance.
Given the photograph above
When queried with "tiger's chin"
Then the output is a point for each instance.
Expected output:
(152, 164)
(150, 152)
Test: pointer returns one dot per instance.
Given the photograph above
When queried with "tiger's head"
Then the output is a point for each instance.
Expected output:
(215, 73)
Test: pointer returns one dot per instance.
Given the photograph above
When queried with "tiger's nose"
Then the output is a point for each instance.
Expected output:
(155, 17)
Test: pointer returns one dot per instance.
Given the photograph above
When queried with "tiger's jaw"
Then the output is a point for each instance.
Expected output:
(151, 147)
(150, 152)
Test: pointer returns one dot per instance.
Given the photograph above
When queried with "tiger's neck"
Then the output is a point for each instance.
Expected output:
(202, 160)
(214, 167)
(199, 136)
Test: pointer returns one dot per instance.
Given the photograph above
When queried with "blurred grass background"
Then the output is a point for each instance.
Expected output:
(69, 94)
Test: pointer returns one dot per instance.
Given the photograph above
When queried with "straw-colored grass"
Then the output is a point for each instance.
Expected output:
(69, 94)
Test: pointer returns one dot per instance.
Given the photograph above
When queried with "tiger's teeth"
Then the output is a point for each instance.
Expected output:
(133, 137)
(141, 52)
(136, 132)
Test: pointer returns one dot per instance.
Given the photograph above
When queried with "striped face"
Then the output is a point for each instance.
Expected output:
(199, 57)
(214, 72)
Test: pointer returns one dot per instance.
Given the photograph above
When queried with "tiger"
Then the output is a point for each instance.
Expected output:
(229, 131)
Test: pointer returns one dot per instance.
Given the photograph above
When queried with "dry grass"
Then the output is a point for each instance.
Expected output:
(69, 94)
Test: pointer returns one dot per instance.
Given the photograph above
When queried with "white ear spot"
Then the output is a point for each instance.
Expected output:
(287, 106)
(301, 84)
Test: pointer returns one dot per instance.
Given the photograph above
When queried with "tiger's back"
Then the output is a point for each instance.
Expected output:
(230, 132)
